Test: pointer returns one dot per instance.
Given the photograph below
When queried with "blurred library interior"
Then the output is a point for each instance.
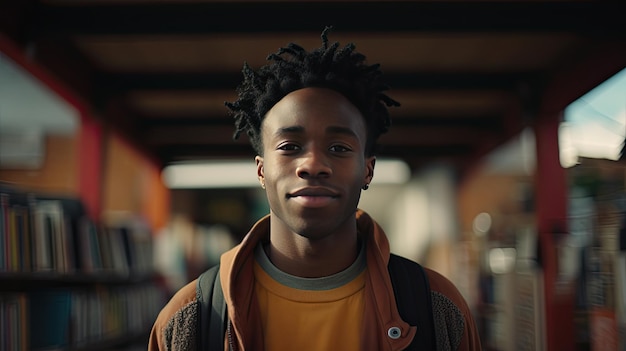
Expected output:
(503, 170)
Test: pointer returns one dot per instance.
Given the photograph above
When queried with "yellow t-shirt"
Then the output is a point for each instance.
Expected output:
(310, 314)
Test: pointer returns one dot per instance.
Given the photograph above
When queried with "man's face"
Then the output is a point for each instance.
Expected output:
(313, 164)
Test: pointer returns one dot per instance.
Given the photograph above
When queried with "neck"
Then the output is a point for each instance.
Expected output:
(306, 258)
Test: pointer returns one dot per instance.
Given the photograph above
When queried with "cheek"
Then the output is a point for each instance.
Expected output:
(272, 174)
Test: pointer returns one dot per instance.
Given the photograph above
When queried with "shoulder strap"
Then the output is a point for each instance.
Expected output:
(412, 292)
(212, 310)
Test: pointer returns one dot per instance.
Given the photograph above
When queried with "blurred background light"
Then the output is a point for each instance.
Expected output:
(595, 124)
(482, 224)
(502, 259)
(242, 174)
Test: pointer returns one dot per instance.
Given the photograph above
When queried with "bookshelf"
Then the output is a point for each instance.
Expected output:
(76, 245)
(599, 226)
(92, 281)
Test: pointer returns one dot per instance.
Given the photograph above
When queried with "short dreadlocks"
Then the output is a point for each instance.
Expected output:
(343, 70)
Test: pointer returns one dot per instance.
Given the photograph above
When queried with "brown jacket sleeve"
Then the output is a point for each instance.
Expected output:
(176, 325)
(454, 323)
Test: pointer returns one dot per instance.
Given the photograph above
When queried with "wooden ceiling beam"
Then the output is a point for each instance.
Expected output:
(405, 136)
(177, 153)
(414, 155)
(461, 121)
(121, 82)
(599, 17)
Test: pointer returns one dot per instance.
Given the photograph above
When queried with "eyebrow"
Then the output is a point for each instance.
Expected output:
(289, 130)
(341, 130)
(329, 129)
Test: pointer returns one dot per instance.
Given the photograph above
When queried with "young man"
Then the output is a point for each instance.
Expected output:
(312, 275)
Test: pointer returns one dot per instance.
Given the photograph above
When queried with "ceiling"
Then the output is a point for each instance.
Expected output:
(469, 75)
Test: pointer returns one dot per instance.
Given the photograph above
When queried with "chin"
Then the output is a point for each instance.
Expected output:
(312, 235)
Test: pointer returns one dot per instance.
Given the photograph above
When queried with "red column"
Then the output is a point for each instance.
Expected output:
(90, 166)
(551, 211)
(90, 131)
(570, 82)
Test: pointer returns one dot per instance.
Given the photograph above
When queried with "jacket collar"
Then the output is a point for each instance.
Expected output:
(237, 278)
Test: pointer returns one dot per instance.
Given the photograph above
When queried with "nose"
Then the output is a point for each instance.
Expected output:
(313, 164)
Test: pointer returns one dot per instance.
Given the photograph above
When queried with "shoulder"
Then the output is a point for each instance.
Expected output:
(176, 324)
(442, 285)
(452, 316)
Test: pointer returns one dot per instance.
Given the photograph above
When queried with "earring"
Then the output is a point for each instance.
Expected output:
(366, 186)
(263, 185)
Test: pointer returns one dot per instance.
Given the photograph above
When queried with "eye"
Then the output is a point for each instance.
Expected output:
(339, 148)
(288, 147)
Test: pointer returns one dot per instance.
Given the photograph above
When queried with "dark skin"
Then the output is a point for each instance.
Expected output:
(313, 168)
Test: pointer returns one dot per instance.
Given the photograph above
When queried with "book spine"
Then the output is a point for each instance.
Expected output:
(14, 333)
(4, 230)
(12, 243)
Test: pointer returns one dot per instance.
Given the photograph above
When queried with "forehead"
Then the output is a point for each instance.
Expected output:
(315, 107)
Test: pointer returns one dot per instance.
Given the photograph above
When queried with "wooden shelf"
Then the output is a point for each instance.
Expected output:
(37, 280)
(117, 343)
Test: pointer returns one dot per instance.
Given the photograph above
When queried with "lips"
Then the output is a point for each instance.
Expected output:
(313, 196)
(313, 191)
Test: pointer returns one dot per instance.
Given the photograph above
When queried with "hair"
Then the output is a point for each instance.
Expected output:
(292, 68)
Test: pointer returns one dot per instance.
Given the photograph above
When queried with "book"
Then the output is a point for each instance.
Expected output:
(11, 244)
(55, 247)
(134, 238)
(119, 253)
(43, 213)
(4, 229)
(94, 237)
(15, 236)
(25, 239)
(19, 240)
(50, 319)
(13, 322)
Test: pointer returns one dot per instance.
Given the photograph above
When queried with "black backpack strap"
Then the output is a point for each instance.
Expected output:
(412, 292)
(212, 310)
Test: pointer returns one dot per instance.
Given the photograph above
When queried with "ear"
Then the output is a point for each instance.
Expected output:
(260, 172)
(370, 162)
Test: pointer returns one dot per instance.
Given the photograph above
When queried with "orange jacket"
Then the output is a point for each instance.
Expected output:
(175, 327)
